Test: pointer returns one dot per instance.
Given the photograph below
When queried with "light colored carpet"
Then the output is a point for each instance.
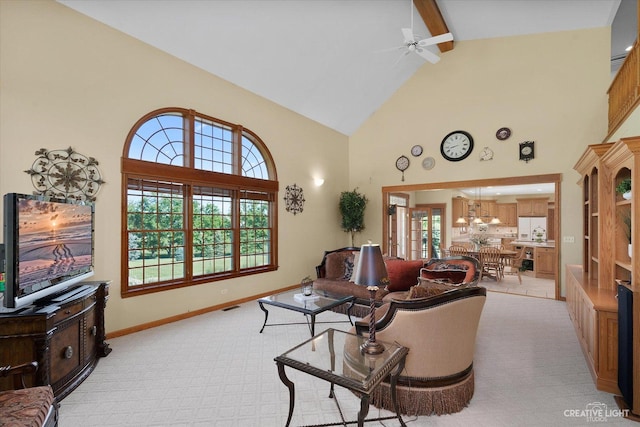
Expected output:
(217, 370)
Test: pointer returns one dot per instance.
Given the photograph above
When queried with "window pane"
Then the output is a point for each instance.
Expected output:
(213, 148)
(155, 228)
(212, 224)
(160, 140)
(253, 164)
(255, 232)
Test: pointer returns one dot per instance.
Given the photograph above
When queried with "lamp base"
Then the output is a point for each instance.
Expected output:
(372, 347)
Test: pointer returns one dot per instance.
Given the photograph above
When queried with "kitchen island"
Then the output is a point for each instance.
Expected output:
(540, 258)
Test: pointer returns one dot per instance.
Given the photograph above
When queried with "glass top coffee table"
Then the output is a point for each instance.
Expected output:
(309, 306)
(335, 356)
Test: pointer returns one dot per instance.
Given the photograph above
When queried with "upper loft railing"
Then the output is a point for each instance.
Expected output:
(624, 92)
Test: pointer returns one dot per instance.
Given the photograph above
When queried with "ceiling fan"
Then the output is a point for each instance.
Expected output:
(419, 46)
(411, 44)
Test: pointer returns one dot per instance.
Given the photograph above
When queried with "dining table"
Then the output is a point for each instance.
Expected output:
(505, 258)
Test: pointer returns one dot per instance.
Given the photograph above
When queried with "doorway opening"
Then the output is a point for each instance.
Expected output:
(419, 227)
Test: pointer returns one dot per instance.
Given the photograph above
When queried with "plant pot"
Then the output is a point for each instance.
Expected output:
(627, 195)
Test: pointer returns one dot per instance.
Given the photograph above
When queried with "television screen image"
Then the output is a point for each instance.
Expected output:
(54, 242)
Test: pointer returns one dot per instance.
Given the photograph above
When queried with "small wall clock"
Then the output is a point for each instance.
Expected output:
(402, 164)
(428, 163)
(527, 151)
(416, 150)
(456, 146)
(486, 154)
(503, 133)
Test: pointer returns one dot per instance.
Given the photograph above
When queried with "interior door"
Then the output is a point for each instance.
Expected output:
(426, 231)
(398, 227)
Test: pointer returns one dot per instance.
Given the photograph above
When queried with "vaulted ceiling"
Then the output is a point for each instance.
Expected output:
(335, 62)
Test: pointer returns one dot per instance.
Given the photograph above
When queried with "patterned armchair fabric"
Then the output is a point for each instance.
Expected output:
(28, 407)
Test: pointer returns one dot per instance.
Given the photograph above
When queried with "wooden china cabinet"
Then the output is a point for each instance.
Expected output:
(609, 222)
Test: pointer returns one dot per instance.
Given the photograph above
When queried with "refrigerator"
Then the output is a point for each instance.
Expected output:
(526, 225)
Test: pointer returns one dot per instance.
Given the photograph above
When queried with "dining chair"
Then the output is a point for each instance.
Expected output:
(490, 261)
(514, 265)
(458, 250)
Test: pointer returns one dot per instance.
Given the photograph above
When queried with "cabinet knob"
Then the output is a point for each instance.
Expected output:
(93, 330)
(68, 352)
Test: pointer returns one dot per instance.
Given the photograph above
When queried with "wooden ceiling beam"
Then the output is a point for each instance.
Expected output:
(430, 13)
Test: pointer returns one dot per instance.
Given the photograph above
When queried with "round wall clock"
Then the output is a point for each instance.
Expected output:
(416, 150)
(456, 146)
(402, 164)
(527, 151)
(428, 163)
(503, 133)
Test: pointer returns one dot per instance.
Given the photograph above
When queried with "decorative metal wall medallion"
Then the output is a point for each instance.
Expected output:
(65, 174)
(294, 199)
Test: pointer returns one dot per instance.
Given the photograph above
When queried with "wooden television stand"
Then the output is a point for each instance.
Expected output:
(65, 335)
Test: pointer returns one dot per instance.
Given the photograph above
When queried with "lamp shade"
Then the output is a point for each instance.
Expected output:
(371, 270)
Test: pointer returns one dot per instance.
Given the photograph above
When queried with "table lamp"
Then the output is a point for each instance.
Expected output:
(371, 273)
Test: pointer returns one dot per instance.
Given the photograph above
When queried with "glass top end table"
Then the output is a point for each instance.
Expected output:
(309, 306)
(335, 356)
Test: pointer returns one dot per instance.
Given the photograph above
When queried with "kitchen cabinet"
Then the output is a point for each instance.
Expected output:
(488, 210)
(508, 214)
(532, 207)
(545, 263)
(459, 208)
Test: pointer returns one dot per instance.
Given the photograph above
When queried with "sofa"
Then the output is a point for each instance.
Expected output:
(439, 327)
(335, 275)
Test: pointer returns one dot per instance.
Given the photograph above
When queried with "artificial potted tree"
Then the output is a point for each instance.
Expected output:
(352, 205)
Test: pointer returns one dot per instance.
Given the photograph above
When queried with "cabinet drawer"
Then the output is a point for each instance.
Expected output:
(69, 311)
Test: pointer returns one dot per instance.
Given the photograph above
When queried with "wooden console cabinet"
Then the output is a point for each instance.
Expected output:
(66, 338)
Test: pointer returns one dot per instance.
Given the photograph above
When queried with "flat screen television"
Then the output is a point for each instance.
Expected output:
(48, 247)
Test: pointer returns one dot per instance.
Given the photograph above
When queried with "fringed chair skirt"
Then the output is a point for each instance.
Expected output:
(426, 400)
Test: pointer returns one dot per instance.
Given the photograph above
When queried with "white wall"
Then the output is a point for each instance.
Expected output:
(550, 88)
(68, 81)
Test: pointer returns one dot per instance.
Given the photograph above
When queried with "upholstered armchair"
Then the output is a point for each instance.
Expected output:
(440, 332)
(26, 406)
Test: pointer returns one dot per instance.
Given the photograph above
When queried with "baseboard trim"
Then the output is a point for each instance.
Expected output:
(178, 317)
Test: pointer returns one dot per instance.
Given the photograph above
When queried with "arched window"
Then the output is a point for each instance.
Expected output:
(200, 200)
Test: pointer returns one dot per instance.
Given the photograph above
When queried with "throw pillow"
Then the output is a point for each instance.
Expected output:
(356, 260)
(445, 275)
(423, 292)
(348, 268)
(402, 274)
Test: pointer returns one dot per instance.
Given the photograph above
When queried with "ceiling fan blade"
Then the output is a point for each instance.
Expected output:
(436, 39)
(428, 55)
(408, 35)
